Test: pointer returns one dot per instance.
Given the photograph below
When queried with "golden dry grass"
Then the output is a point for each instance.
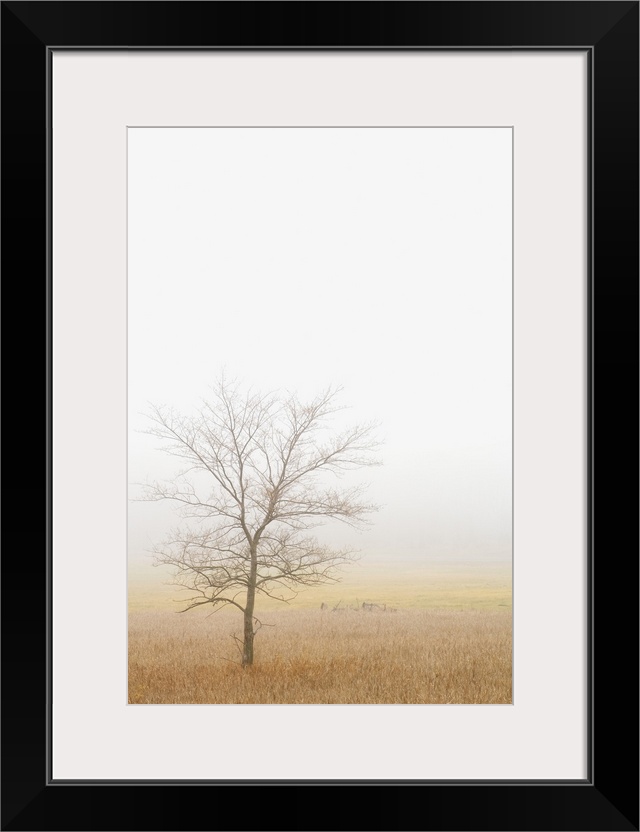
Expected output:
(410, 656)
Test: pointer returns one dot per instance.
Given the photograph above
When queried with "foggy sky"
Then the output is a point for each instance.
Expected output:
(376, 259)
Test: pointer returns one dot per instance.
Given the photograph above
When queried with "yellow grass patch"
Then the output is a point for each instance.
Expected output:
(406, 584)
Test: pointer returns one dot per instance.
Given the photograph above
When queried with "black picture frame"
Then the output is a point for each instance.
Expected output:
(608, 798)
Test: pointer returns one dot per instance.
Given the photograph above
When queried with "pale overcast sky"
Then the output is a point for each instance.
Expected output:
(378, 259)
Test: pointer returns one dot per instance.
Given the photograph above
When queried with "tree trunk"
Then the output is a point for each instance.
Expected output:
(247, 645)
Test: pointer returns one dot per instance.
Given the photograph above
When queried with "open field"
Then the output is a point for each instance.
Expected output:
(402, 583)
(449, 640)
(310, 656)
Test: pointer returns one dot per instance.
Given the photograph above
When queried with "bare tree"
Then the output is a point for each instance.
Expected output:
(254, 484)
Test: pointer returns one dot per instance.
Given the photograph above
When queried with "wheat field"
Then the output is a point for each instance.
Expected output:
(414, 656)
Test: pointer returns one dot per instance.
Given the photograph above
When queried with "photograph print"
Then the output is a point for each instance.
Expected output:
(319, 415)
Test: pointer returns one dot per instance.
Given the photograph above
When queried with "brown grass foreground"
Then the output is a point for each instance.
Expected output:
(309, 656)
